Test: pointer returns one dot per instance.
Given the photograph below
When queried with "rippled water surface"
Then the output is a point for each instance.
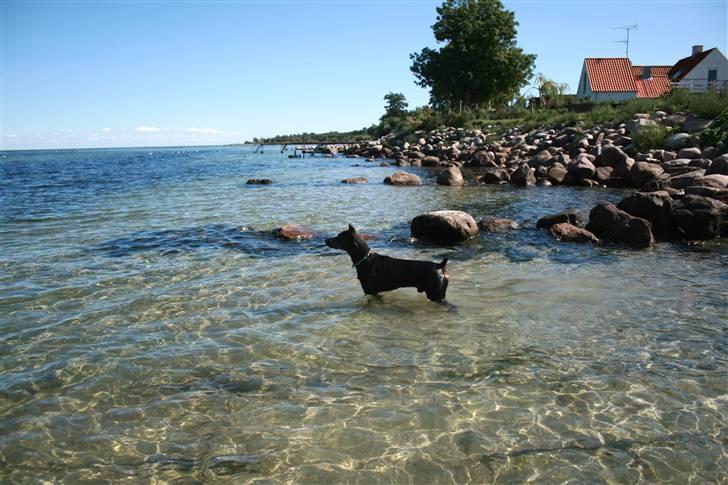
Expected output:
(151, 329)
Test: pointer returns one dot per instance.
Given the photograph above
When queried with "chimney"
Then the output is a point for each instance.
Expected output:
(697, 49)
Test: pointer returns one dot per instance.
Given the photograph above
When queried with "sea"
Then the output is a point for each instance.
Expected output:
(152, 330)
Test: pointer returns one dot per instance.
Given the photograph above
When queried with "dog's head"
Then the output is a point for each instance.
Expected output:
(346, 240)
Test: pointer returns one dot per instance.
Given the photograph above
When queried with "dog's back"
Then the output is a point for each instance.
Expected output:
(384, 273)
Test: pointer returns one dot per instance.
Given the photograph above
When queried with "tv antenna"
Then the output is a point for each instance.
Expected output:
(626, 41)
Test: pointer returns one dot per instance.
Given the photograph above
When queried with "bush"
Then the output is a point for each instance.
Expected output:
(650, 137)
(718, 133)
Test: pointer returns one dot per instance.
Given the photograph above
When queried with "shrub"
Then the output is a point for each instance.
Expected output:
(650, 137)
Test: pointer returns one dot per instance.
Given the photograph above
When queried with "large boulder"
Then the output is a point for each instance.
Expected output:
(651, 206)
(523, 176)
(643, 172)
(494, 175)
(719, 166)
(687, 179)
(612, 156)
(542, 158)
(572, 216)
(608, 222)
(445, 226)
(450, 176)
(695, 218)
(564, 231)
(496, 224)
(581, 168)
(712, 192)
(677, 140)
(623, 168)
(292, 232)
(402, 178)
(694, 124)
(556, 174)
(689, 153)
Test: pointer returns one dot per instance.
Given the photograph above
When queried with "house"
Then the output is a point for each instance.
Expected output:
(615, 79)
(702, 71)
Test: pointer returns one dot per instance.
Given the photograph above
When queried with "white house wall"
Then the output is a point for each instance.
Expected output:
(584, 92)
(697, 79)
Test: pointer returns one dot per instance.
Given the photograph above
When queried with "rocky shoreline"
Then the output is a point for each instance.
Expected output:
(682, 188)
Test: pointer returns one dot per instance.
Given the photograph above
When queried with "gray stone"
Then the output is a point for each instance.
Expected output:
(355, 180)
(494, 175)
(556, 174)
(719, 166)
(689, 153)
(686, 179)
(430, 161)
(581, 167)
(677, 140)
(446, 226)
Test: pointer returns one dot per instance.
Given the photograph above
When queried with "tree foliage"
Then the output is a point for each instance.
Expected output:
(479, 61)
(396, 104)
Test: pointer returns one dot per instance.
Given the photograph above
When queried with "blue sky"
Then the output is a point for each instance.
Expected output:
(101, 74)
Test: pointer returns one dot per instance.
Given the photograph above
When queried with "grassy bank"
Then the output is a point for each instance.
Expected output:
(405, 126)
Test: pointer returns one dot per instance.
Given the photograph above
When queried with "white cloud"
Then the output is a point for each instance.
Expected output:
(106, 130)
(148, 129)
(202, 131)
(10, 135)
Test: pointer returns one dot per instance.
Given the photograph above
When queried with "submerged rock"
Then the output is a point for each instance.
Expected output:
(447, 225)
(259, 182)
(292, 232)
(495, 224)
(355, 180)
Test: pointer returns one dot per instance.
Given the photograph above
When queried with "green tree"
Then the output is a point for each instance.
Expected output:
(550, 92)
(396, 105)
(479, 61)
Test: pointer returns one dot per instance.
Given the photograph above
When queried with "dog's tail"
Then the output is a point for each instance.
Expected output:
(443, 267)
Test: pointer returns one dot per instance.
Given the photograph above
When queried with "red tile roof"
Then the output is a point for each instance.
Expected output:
(610, 74)
(655, 86)
(655, 70)
(686, 64)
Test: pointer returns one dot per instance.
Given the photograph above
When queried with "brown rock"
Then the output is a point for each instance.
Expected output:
(568, 233)
(402, 178)
(292, 232)
(355, 180)
(495, 224)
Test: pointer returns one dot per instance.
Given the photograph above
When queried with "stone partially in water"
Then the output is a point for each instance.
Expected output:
(450, 176)
(355, 180)
(402, 178)
(447, 225)
(608, 222)
(572, 216)
(259, 182)
(566, 232)
(292, 232)
(695, 217)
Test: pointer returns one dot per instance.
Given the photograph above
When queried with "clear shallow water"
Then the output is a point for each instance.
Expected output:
(150, 330)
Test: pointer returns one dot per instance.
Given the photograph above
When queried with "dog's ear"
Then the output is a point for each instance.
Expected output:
(352, 229)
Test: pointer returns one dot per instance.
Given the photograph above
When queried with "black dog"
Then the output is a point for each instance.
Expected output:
(378, 273)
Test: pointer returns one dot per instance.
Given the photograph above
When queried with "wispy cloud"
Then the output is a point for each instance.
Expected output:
(106, 130)
(202, 131)
(148, 129)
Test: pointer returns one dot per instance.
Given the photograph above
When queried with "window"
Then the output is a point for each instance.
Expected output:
(712, 75)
